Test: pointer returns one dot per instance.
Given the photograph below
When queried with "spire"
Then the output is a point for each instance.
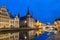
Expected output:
(28, 13)
(57, 19)
(18, 14)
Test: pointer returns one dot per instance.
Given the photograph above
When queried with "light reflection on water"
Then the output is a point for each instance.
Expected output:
(9, 36)
(22, 35)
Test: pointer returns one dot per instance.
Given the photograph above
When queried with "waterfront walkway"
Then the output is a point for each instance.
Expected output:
(18, 29)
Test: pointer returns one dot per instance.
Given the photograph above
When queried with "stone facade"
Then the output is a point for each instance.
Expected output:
(4, 17)
(6, 21)
(27, 22)
(14, 22)
(57, 24)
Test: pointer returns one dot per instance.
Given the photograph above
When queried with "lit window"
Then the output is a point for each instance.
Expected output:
(16, 21)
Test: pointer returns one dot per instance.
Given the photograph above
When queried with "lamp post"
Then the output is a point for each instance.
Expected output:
(25, 23)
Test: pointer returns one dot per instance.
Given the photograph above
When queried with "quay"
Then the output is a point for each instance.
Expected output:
(17, 29)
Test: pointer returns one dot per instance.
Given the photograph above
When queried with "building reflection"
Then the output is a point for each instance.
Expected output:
(27, 22)
(9, 36)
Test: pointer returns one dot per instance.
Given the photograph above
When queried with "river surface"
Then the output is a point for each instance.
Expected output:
(14, 35)
(23, 35)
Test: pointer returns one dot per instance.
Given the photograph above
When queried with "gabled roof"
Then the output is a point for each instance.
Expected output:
(57, 19)
(23, 18)
(18, 15)
(28, 12)
(3, 6)
(4, 9)
(14, 16)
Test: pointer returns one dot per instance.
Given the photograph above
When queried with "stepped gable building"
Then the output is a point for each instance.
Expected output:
(5, 19)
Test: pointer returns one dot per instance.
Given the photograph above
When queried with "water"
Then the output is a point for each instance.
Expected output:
(55, 37)
(9, 36)
(21, 35)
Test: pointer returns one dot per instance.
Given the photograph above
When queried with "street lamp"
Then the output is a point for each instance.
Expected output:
(25, 37)
(25, 21)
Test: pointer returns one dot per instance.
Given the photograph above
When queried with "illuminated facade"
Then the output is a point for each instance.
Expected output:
(4, 17)
(39, 25)
(57, 24)
(14, 22)
(5, 20)
(27, 22)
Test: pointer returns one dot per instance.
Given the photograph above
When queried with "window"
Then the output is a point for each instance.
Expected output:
(11, 21)
(17, 22)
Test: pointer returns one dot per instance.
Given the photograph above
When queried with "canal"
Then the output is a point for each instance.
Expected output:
(16, 35)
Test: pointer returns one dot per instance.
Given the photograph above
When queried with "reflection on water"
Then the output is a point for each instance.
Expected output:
(22, 35)
(9, 36)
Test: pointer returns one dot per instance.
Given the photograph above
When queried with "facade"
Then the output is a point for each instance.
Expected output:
(14, 22)
(30, 24)
(27, 22)
(30, 20)
(57, 24)
(6, 20)
(4, 17)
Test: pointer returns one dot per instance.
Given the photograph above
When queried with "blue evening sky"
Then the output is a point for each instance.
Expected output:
(42, 10)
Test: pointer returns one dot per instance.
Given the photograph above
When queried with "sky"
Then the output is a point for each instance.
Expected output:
(43, 10)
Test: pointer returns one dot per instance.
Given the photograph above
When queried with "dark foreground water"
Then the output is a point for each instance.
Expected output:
(15, 35)
(23, 35)
(9, 36)
(54, 37)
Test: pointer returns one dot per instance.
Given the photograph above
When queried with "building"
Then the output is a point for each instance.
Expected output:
(39, 25)
(57, 23)
(14, 22)
(4, 17)
(27, 22)
(6, 21)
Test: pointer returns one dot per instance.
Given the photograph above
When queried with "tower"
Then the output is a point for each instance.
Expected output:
(28, 13)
